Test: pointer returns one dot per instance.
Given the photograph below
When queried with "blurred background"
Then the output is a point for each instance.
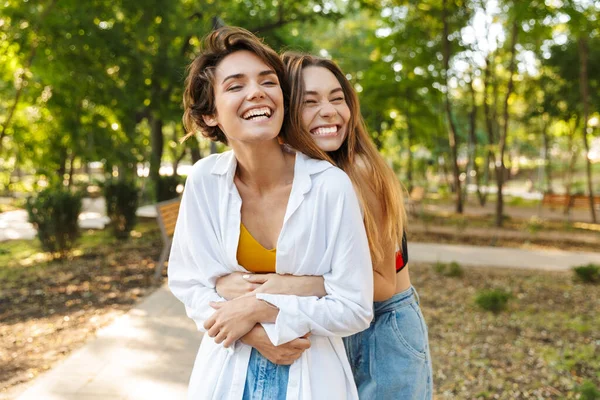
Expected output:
(488, 110)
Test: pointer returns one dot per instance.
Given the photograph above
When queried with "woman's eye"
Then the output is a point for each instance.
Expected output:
(234, 88)
(337, 100)
(310, 101)
(270, 83)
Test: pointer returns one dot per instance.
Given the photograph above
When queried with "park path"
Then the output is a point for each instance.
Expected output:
(14, 225)
(149, 352)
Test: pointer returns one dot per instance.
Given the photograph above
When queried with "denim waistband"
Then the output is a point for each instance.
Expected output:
(401, 299)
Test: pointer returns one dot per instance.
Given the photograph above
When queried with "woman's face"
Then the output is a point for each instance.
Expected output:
(248, 99)
(325, 113)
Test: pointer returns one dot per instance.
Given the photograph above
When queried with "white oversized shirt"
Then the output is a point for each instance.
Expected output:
(322, 234)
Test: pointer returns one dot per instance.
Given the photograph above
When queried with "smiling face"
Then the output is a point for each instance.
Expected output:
(248, 99)
(325, 113)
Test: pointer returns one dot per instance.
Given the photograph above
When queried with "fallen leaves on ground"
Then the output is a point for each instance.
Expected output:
(543, 347)
(48, 310)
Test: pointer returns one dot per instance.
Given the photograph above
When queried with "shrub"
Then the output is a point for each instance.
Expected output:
(494, 300)
(167, 188)
(588, 273)
(121, 205)
(534, 225)
(588, 391)
(453, 269)
(54, 212)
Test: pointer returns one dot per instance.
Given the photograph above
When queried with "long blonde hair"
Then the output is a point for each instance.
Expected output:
(358, 148)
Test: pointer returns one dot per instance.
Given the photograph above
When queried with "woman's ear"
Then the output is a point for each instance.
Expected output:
(210, 120)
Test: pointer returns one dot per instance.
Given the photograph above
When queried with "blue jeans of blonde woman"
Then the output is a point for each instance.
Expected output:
(390, 359)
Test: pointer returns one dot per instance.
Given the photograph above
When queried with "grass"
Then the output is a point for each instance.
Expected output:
(588, 273)
(453, 269)
(494, 300)
(16, 254)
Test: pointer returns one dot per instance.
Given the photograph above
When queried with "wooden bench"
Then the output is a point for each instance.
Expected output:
(166, 214)
(556, 200)
(566, 202)
(583, 201)
(415, 199)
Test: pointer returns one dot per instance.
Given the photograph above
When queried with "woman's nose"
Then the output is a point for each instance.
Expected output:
(327, 110)
(255, 92)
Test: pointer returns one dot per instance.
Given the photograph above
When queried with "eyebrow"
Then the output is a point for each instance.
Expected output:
(238, 76)
(312, 92)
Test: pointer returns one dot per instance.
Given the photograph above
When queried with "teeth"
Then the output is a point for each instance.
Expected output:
(322, 131)
(263, 111)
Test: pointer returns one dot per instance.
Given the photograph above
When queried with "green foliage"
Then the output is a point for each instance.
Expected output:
(494, 300)
(167, 187)
(588, 273)
(453, 270)
(588, 391)
(121, 204)
(54, 212)
(534, 225)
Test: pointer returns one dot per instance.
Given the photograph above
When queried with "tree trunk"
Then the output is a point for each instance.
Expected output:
(500, 168)
(409, 169)
(62, 165)
(489, 124)
(547, 165)
(71, 169)
(584, 88)
(194, 149)
(573, 159)
(157, 143)
(471, 154)
(452, 137)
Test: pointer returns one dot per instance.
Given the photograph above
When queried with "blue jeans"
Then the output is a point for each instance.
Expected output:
(390, 359)
(265, 380)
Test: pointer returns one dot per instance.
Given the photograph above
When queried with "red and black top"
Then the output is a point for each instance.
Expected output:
(402, 255)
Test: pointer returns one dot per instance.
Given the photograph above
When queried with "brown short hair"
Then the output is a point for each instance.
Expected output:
(199, 96)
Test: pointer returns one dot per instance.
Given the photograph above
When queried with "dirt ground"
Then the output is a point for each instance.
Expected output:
(543, 347)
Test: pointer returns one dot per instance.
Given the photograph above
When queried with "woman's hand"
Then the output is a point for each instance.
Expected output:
(287, 284)
(234, 285)
(235, 318)
(284, 354)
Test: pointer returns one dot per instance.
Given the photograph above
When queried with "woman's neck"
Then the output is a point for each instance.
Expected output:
(263, 166)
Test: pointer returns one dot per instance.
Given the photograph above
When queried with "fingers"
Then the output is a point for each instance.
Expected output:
(208, 324)
(213, 330)
(256, 278)
(216, 304)
(300, 344)
(221, 337)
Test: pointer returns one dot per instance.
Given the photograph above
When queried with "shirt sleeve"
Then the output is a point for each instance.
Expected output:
(193, 262)
(348, 306)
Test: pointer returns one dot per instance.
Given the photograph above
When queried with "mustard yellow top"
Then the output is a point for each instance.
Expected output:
(252, 255)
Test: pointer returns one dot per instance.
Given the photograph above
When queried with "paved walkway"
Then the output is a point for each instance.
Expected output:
(148, 353)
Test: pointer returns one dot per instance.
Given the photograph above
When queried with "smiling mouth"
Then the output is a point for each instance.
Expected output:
(258, 114)
(325, 130)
